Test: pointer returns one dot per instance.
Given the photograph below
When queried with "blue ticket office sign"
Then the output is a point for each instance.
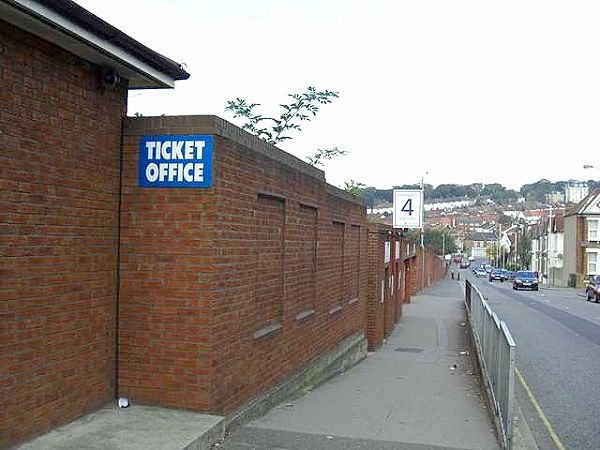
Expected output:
(175, 161)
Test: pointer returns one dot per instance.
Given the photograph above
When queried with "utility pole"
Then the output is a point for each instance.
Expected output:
(549, 250)
(517, 248)
(444, 244)
(423, 234)
(498, 252)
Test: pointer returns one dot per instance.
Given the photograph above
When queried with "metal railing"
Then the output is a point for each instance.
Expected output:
(496, 351)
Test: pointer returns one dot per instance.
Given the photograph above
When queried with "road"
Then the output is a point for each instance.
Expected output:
(558, 354)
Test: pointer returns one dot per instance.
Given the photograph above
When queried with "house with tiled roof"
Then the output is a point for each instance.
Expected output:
(476, 244)
(582, 240)
(547, 248)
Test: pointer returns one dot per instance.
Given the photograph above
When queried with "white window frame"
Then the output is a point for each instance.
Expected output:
(593, 262)
(593, 231)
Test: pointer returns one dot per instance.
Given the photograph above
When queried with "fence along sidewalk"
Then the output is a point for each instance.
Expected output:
(496, 351)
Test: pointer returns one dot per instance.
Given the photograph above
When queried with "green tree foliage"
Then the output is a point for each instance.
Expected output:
(439, 241)
(524, 251)
(593, 184)
(354, 187)
(449, 191)
(541, 189)
(475, 189)
(496, 192)
(374, 196)
(274, 130)
(322, 155)
(303, 107)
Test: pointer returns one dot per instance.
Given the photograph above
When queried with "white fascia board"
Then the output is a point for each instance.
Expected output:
(87, 45)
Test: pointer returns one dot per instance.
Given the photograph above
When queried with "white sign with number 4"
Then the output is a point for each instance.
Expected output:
(408, 208)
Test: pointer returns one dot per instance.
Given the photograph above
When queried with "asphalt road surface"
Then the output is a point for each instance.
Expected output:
(557, 333)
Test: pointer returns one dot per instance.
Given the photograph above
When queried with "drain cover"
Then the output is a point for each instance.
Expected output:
(409, 349)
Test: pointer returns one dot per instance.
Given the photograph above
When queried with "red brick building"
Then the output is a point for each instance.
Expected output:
(60, 153)
(198, 296)
(226, 290)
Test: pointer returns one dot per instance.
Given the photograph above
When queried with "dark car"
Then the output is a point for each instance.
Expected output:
(525, 279)
(497, 275)
(592, 290)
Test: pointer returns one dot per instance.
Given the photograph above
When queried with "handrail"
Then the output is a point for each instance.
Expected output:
(496, 350)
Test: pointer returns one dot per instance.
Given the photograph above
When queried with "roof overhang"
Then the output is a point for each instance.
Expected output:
(75, 29)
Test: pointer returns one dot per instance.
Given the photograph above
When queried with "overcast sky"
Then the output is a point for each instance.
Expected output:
(449, 91)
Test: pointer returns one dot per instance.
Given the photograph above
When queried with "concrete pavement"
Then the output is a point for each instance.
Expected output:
(137, 427)
(420, 391)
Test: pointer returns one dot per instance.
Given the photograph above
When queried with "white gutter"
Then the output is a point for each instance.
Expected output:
(32, 16)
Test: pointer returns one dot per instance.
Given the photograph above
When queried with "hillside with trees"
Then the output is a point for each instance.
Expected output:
(499, 194)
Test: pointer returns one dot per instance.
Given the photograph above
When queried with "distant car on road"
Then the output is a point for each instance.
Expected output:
(497, 275)
(480, 273)
(592, 290)
(525, 279)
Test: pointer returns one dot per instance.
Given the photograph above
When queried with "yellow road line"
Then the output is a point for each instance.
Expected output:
(538, 408)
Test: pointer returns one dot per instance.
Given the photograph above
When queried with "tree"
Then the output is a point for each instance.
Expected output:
(354, 187)
(324, 154)
(537, 191)
(299, 110)
(524, 251)
(439, 241)
(274, 130)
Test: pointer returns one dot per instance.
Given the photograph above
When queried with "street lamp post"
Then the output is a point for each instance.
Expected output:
(423, 234)
(550, 249)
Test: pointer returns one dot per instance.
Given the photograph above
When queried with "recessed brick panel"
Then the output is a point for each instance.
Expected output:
(305, 260)
(337, 261)
(270, 252)
(352, 257)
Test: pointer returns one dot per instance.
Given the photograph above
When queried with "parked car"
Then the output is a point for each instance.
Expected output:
(592, 290)
(497, 275)
(525, 279)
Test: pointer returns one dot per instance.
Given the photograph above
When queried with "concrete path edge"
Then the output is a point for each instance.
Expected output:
(349, 352)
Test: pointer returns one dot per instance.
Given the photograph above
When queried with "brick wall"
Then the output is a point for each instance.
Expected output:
(392, 278)
(376, 239)
(59, 179)
(386, 278)
(266, 276)
(427, 269)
